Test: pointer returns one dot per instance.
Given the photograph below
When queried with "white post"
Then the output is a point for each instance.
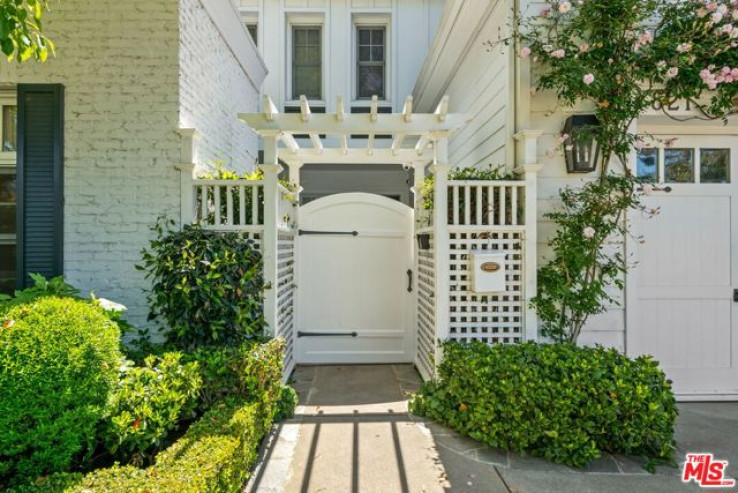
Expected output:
(418, 177)
(295, 179)
(441, 168)
(187, 169)
(271, 169)
(528, 167)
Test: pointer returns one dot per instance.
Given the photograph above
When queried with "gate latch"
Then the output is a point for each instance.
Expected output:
(735, 295)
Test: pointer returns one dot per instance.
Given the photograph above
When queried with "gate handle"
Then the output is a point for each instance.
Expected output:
(409, 281)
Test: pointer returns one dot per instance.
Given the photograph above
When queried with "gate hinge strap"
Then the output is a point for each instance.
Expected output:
(310, 232)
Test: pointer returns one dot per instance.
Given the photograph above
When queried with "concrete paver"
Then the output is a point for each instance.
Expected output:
(353, 433)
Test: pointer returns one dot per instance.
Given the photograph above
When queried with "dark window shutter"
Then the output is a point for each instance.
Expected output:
(40, 180)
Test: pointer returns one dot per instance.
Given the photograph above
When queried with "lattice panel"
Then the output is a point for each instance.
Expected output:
(426, 312)
(286, 295)
(488, 318)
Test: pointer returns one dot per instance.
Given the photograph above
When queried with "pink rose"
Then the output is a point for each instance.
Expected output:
(525, 52)
(672, 72)
(558, 54)
(588, 79)
(583, 48)
(588, 232)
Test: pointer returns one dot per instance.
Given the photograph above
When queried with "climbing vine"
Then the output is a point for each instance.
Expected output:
(618, 59)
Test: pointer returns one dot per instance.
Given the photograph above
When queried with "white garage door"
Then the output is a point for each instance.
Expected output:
(681, 306)
(354, 274)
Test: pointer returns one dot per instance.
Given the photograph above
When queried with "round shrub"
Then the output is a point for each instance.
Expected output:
(207, 286)
(561, 402)
(59, 361)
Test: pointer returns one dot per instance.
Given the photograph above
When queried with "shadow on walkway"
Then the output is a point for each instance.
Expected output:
(353, 433)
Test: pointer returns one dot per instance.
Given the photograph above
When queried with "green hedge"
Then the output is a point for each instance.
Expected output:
(59, 361)
(215, 455)
(560, 402)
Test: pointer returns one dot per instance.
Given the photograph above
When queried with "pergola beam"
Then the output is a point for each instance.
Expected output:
(304, 109)
(355, 156)
(407, 110)
(354, 123)
(442, 109)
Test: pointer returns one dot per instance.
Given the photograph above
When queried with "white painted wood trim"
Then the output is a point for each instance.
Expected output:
(271, 170)
(441, 168)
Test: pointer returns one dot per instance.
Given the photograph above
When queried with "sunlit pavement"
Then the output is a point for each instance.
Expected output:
(353, 433)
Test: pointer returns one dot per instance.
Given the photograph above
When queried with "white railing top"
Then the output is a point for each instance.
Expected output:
(240, 182)
(488, 183)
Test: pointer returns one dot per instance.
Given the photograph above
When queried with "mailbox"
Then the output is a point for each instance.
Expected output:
(487, 271)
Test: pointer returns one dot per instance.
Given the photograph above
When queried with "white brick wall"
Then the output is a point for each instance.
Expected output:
(215, 87)
(120, 64)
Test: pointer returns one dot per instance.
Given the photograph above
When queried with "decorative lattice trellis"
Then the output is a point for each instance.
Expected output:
(286, 295)
(489, 318)
(426, 311)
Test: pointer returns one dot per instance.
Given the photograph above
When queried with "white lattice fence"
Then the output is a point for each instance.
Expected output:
(425, 358)
(489, 318)
(286, 295)
(470, 216)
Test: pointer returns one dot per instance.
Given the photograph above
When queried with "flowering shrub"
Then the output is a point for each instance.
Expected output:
(621, 58)
(626, 56)
(574, 284)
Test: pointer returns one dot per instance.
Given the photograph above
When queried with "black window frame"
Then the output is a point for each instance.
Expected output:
(371, 63)
(294, 65)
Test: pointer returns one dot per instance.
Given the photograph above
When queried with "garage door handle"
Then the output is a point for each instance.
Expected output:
(325, 334)
(409, 281)
(302, 232)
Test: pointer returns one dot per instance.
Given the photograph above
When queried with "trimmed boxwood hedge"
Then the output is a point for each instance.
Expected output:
(59, 361)
(560, 402)
(214, 455)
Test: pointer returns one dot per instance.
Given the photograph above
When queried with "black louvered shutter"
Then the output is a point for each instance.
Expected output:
(40, 182)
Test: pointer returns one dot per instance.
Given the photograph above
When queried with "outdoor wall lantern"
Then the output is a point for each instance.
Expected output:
(581, 149)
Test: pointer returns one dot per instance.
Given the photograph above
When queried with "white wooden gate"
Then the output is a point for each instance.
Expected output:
(354, 281)
(680, 297)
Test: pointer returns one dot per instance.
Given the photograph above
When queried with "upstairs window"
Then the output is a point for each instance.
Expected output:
(307, 62)
(371, 62)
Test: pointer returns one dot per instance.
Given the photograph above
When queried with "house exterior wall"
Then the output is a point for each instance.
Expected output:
(411, 25)
(476, 79)
(121, 108)
(221, 74)
(492, 86)
(128, 89)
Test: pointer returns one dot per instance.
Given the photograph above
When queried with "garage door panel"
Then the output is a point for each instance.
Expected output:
(687, 243)
(686, 333)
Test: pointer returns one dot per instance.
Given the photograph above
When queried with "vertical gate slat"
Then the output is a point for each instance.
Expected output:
(478, 220)
(241, 205)
(254, 205)
(467, 204)
(514, 202)
(229, 205)
(216, 190)
(455, 208)
(203, 204)
(490, 205)
(503, 215)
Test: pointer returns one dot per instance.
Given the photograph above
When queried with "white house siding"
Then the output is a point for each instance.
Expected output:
(120, 64)
(475, 77)
(221, 73)
(411, 27)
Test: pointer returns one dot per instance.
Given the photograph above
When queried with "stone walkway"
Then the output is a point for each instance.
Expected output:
(353, 433)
